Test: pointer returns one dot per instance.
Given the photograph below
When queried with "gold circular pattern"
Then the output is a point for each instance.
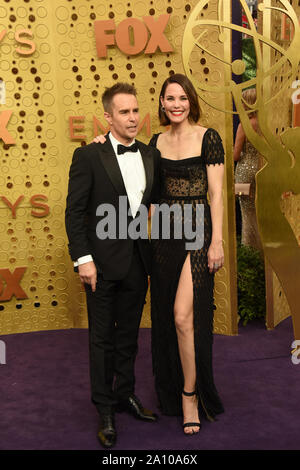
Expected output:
(3, 12)
(42, 31)
(62, 13)
(5, 65)
(41, 12)
(238, 67)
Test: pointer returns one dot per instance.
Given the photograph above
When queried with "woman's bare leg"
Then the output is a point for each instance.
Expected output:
(184, 322)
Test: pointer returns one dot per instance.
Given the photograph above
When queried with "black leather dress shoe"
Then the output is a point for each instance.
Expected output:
(134, 407)
(107, 432)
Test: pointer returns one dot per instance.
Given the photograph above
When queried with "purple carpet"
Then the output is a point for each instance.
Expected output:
(45, 395)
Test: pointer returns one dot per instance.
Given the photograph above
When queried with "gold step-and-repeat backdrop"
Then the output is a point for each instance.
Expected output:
(56, 58)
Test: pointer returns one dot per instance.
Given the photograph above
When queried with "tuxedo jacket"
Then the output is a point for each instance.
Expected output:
(94, 179)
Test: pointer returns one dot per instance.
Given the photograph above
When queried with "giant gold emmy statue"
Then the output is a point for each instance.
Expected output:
(281, 172)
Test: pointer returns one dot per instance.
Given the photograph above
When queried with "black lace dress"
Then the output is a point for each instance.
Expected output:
(184, 182)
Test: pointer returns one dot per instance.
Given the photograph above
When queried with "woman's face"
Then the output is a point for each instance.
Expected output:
(176, 103)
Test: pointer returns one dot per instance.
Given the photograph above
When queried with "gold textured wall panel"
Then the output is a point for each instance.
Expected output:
(280, 120)
(61, 79)
(277, 56)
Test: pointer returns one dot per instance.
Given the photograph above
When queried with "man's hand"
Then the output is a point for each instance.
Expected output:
(99, 139)
(88, 274)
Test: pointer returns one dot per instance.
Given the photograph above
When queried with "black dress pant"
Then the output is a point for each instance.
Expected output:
(114, 314)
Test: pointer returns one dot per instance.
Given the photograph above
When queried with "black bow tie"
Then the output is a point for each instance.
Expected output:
(122, 148)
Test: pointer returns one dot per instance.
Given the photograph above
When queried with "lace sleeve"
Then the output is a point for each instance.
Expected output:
(213, 148)
(153, 140)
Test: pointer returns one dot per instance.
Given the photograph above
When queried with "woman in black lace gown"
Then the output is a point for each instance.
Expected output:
(182, 279)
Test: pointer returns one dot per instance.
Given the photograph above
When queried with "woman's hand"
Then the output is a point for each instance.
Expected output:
(215, 256)
(99, 139)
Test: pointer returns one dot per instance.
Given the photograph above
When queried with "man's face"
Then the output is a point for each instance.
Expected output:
(123, 117)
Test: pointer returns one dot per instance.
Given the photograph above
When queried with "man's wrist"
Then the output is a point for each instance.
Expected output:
(83, 260)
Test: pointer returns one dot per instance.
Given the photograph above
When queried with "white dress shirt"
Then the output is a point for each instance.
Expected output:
(133, 174)
(134, 178)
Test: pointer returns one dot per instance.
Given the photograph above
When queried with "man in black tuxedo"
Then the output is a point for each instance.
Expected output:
(114, 269)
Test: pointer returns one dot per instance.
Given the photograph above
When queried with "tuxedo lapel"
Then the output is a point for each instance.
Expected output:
(110, 163)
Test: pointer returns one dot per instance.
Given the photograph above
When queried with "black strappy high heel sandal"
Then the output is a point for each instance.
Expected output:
(189, 425)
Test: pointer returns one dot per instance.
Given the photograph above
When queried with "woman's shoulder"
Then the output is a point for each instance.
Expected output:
(206, 134)
(211, 136)
(200, 131)
(154, 139)
(254, 123)
(210, 131)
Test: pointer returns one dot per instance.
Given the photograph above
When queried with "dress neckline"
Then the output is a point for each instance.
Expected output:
(183, 159)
